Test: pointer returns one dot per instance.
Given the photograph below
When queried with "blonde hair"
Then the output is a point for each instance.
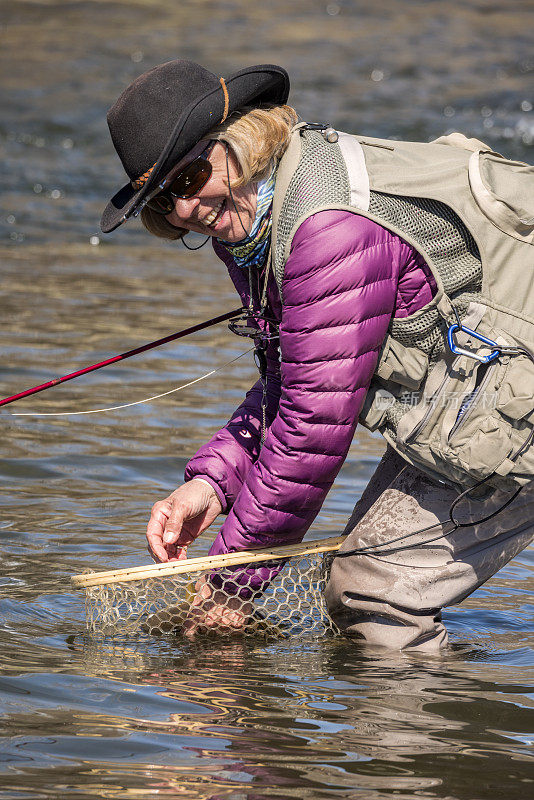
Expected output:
(257, 136)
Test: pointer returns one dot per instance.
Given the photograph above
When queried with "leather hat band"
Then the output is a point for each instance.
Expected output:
(138, 183)
(226, 100)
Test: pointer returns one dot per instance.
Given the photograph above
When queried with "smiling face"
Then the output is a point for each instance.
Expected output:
(212, 211)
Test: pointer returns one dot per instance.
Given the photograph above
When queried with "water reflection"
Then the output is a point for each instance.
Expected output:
(138, 717)
(333, 720)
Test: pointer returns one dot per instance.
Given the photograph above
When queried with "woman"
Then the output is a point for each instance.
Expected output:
(347, 282)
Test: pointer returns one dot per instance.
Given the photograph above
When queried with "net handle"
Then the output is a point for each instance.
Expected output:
(204, 563)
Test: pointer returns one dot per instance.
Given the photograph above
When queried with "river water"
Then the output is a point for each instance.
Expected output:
(232, 719)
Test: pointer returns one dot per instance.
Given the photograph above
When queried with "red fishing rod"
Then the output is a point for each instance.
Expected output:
(173, 336)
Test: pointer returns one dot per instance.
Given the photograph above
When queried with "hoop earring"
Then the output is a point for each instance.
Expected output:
(188, 247)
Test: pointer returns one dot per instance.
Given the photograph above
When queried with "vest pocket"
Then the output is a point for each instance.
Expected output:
(516, 394)
(406, 366)
(461, 435)
(466, 420)
(516, 404)
(375, 407)
(494, 422)
(504, 192)
(399, 368)
(476, 438)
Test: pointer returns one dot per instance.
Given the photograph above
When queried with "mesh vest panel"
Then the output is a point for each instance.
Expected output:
(321, 179)
(454, 253)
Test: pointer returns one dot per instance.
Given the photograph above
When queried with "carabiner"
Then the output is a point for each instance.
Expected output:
(460, 351)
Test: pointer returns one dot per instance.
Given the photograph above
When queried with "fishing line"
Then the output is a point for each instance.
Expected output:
(128, 405)
(200, 326)
(383, 548)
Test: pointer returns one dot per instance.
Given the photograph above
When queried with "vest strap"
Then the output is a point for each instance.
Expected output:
(446, 310)
(352, 152)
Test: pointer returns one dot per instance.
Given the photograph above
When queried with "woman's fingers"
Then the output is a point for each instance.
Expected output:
(155, 528)
(168, 553)
(218, 617)
(208, 613)
(203, 591)
(177, 520)
(164, 529)
(173, 525)
(194, 502)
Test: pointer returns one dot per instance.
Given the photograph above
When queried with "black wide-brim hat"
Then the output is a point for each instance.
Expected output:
(166, 111)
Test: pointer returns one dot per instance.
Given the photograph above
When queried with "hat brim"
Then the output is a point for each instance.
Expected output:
(265, 83)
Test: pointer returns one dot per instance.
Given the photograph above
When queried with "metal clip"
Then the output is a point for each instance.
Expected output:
(328, 133)
(460, 351)
(260, 360)
(241, 327)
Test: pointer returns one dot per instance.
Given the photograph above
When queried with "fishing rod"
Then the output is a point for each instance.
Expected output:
(113, 360)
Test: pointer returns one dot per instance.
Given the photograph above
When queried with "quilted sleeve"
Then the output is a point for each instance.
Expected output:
(226, 459)
(339, 294)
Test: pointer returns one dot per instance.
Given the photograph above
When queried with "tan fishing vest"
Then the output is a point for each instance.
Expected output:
(470, 213)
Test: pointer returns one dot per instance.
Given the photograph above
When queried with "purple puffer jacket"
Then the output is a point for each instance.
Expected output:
(345, 278)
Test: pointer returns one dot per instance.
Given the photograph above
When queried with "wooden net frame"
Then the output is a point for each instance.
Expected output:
(273, 591)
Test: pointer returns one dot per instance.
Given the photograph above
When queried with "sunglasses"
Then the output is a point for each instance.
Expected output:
(187, 183)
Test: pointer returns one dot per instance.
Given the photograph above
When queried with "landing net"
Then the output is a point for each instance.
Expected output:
(275, 592)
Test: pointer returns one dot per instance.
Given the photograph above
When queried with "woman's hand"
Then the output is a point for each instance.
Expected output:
(177, 520)
(213, 610)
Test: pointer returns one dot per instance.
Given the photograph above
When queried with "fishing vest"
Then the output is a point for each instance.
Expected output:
(470, 214)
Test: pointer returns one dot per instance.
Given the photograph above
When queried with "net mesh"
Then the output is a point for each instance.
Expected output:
(281, 599)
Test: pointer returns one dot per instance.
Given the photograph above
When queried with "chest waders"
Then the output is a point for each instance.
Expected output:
(453, 390)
